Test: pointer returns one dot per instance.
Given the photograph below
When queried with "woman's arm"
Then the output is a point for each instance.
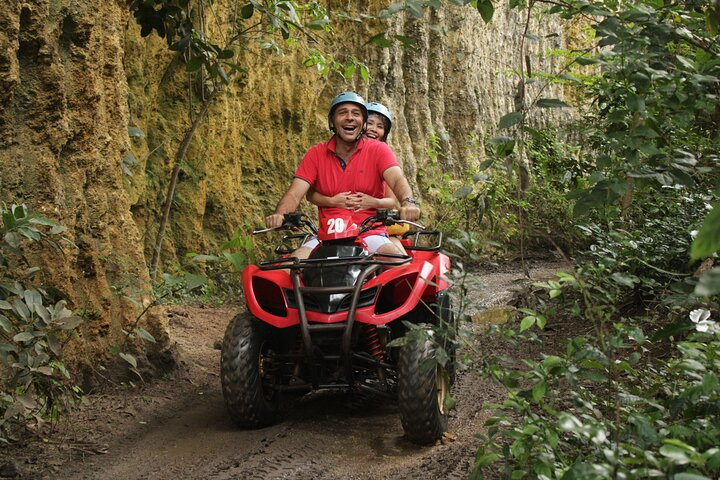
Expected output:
(338, 201)
(352, 201)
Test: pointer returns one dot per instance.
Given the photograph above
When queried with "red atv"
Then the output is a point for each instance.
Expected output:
(327, 322)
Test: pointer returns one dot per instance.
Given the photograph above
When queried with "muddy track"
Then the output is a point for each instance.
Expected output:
(178, 428)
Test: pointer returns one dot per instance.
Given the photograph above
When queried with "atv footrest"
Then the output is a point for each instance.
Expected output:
(376, 391)
(371, 361)
(308, 386)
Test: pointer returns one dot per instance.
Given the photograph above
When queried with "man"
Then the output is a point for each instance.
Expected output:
(348, 162)
(379, 123)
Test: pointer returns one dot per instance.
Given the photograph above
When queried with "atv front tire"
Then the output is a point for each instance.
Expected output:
(251, 404)
(421, 393)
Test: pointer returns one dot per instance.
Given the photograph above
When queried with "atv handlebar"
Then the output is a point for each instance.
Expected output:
(385, 217)
(292, 221)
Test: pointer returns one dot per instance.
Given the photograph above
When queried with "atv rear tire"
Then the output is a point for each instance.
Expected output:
(421, 394)
(249, 402)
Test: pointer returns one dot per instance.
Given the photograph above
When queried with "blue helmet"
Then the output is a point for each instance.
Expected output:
(347, 97)
(379, 108)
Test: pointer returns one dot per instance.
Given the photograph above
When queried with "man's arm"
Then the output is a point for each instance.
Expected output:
(397, 182)
(288, 203)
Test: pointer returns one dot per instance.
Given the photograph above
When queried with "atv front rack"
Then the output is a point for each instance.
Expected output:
(373, 263)
(417, 234)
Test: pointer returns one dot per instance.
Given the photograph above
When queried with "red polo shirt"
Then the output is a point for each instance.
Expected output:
(321, 168)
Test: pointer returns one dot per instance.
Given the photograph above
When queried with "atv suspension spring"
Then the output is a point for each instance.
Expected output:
(374, 345)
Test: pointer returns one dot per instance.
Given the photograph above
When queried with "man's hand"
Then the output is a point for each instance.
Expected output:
(410, 212)
(274, 221)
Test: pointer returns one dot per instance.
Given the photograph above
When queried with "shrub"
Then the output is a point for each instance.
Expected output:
(33, 327)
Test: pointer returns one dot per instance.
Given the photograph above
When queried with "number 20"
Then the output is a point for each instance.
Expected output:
(336, 225)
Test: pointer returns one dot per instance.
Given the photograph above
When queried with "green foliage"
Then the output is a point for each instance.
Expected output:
(640, 177)
(273, 25)
(606, 406)
(656, 94)
(18, 226)
(649, 113)
(210, 277)
(479, 210)
(33, 328)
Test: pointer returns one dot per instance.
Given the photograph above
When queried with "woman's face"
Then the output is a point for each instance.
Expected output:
(375, 127)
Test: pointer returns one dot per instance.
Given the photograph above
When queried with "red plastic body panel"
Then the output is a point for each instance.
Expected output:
(427, 270)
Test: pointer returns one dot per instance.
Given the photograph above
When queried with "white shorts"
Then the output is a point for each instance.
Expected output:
(373, 242)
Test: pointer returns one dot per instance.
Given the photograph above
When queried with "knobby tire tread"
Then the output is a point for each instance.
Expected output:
(240, 374)
(420, 414)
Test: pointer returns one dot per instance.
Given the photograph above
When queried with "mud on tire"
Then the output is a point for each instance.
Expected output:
(421, 394)
(244, 345)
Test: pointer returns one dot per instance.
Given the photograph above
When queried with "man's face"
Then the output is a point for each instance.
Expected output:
(349, 121)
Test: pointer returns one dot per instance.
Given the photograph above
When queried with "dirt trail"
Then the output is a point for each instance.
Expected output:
(178, 427)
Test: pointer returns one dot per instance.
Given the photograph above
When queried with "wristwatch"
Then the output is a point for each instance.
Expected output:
(409, 200)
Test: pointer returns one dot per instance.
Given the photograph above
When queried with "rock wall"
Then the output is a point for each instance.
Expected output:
(64, 118)
(75, 76)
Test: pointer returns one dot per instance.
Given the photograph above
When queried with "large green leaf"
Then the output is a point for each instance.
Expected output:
(145, 335)
(41, 221)
(23, 337)
(21, 309)
(247, 11)
(486, 9)
(636, 103)
(5, 323)
(68, 323)
(707, 241)
(135, 132)
(689, 476)
(194, 64)
(551, 103)
(510, 119)
(463, 191)
(391, 10)
(194, 281)
(504, 146)
(678, 455)
(380, 40)
(129, 359)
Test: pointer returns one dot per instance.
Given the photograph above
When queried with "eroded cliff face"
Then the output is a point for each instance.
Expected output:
(75, 75)
(64, 118)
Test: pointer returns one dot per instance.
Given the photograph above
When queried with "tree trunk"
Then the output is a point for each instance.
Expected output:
(179, 157)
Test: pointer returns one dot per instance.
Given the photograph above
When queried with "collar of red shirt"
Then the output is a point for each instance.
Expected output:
(333, 141)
